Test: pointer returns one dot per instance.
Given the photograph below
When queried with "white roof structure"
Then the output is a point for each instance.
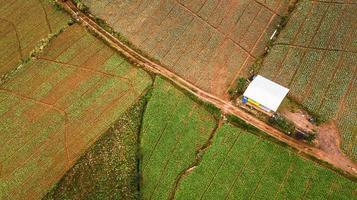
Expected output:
(266, 92)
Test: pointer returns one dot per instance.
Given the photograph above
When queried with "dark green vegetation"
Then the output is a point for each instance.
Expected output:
(315, 56)
(108, 170)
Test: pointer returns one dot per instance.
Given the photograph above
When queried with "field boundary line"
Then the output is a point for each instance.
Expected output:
(62, 112)
(308, 86)
(309, 183)
(241, 36)
(332, 188)
(269, 160)
(280, 65)
(245, 162)
(160, 136)
(178, 38)
(315, 48)
(153, 31)
(301, 61)
(334, 2)
(338, 66)
(286, 177)
(197, 161)
(220, 166)
(73, 66)
(270, 9)
(17, 36)
(214, 28)
(46, 17)
(169, 158)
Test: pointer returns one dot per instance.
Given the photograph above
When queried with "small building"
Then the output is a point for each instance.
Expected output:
(264, 94)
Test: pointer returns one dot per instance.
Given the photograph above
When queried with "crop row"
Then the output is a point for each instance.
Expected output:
(171, 137)
(321, 25)
(57, 106)
(258, 170)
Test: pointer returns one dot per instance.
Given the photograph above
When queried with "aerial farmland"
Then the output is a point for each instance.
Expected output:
(145, 99)
(316, 56)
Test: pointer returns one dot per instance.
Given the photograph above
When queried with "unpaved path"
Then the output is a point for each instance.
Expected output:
(340, 161)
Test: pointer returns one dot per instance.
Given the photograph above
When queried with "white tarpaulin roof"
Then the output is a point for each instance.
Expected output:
(266, 92)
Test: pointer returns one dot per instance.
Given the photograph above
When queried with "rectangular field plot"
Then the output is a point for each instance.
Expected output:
(208, 43)
(240, 165)
(315, 56)
(56, 106)
(22, 25)
(173, 130)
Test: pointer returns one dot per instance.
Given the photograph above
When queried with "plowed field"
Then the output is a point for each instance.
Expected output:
(22, 25)
(316, 57)
(55, 107)
(209, 43)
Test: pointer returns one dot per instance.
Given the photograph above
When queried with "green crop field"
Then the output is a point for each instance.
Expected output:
(108, 170)
(56, 106)
(174, 128)
(237, 165)
(22, 25)
(240, 165)
(315, 56)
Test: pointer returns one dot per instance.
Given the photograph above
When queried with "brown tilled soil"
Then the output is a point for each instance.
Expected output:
(208, 43)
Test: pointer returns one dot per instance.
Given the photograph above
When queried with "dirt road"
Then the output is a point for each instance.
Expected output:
(341, 162)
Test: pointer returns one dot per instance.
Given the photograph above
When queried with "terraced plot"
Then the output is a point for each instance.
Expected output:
(173, 130)
(22, 25)
(55, 107)
(209, 43)
(240, 165)
(315, 56)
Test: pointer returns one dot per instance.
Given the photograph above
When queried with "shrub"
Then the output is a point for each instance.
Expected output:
(282, 124)
(238, 89)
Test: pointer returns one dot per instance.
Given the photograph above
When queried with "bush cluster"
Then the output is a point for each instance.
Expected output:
(282, 124)
(240, 85)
